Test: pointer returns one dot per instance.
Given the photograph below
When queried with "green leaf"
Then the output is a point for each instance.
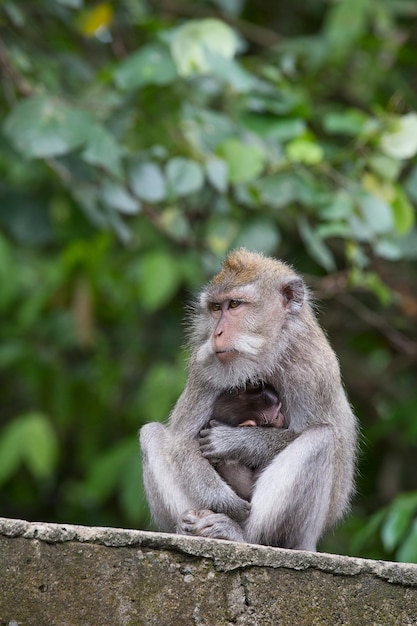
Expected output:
(167, 376)
(43, 127)
(205, 130)
(11, 450)
(175, 222)
(28, 439)
(304, 151)
(349, 122)
(371, 281)
(158, 281)
(281, 190)
(408, 550)
(346, 22)
(103, 150)
(388, 249)
(132, 495)
(277, 191)
(368, 531)
(183, 176)
(398, 520)
(117, 223)
(228, 70)
(151, 65)
(117, 197)
(333, 229)
(385, 166)
(221, 234)
(285, 129)
(384, 293)
(403, 212)
(411, 184)
(317, 249)
(273, 128)
(9, 274)
(341, 206)
(401, 141)
(261, 235)
(72, 4)
(245, 162)
(148, 182)
(217, 173)
(42, 446)
(376, 213)
(34, 226)
(190, 41)
(409, 245)
(107, 470)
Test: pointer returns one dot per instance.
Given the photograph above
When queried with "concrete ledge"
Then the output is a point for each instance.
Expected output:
(53, 574)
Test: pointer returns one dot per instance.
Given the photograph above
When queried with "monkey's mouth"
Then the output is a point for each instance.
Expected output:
(225, 356)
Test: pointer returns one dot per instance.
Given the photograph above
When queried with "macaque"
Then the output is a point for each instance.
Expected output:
(254, 324)
(254, 406)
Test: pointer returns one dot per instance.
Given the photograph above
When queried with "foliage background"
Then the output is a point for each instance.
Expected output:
(142, 140)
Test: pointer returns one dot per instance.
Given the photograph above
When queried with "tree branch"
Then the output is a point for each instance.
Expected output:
(398, 340)
(8, 68)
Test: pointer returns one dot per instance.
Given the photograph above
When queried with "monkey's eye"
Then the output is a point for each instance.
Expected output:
(233, 304)
(215, 306)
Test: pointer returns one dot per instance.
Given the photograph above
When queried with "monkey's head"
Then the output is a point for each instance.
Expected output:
(254, 406)
(242, 318)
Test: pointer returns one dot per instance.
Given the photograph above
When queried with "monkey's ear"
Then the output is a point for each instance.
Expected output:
(293, 292)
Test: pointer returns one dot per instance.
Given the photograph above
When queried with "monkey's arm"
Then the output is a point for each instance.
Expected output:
(255, 447)
(204, 485)
(177, 478)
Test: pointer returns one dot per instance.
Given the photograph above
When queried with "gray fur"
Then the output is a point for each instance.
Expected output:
(307, 477)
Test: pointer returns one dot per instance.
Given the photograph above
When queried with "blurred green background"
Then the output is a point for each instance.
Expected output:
(142, 140)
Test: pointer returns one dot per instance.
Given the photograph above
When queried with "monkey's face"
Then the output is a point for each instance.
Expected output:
(233, 339)
(233, 326)
(238, 331)
(263, 404)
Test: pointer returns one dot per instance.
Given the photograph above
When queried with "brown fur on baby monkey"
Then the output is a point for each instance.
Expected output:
(254, 405)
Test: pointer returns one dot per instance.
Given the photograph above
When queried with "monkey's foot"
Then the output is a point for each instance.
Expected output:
(205, 523)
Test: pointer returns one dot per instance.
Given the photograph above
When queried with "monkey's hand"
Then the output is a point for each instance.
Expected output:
(217, 442)
(254, 447)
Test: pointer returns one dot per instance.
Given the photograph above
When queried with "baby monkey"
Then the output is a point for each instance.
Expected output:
(256, 405)
(253, 406)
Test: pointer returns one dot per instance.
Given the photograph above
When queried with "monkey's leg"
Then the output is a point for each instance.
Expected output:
(238, 476)
(292, 496)
(166, 498)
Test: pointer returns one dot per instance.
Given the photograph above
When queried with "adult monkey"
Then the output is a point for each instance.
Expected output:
(253, 323)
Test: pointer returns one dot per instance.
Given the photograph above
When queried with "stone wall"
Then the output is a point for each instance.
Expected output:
(59, 575)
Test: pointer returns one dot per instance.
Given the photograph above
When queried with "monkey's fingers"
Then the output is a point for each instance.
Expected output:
(207, 449)
(204, 438)
(208, 453)
(204, 435)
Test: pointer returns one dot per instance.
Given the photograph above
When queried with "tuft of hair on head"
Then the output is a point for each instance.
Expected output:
(242, 267)
(234, 272)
